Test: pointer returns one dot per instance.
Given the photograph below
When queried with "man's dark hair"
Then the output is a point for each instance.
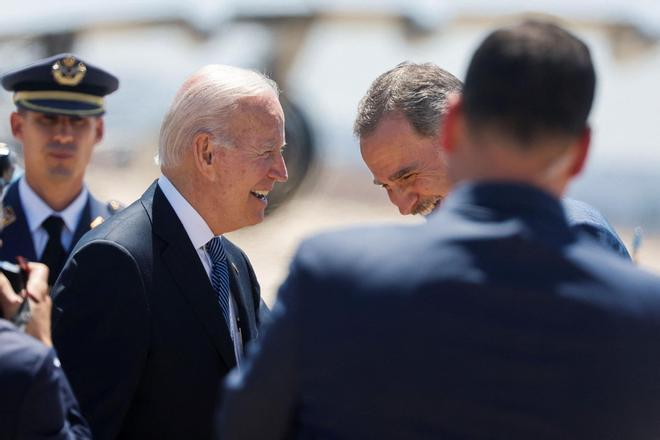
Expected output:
(532, 79)
(418, 91)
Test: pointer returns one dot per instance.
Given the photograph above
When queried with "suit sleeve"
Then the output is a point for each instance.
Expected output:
(268, 383)
(49, 410)
(102, 332)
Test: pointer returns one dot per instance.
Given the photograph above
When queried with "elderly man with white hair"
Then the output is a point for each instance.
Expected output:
(155, 306)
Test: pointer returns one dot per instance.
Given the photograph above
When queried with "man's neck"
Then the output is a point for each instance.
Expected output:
(192, 188)
(57, 195)
(546, 168)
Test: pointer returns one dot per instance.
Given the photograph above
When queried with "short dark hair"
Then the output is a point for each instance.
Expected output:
(418, 91)
(531, 79)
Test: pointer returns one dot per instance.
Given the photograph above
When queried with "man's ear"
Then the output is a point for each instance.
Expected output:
(100, 129)
(203, 152)
(451, 126)
(582, 152)
(16, 122)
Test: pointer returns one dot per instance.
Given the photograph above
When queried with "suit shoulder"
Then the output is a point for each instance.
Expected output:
(100, 211)
(129, 227)
(11, 205)
(11, 193)
(20, 353)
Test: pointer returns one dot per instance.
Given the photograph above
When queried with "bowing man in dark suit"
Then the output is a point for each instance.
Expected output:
(398, 123)
(36, 401)
(494, 319)
(155, 305)
(58, 121)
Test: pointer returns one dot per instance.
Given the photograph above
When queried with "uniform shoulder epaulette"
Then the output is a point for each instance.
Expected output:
(115, 206)
(112, 206)
(7, 217)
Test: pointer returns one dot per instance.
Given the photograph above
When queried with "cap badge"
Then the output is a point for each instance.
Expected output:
(68, 71)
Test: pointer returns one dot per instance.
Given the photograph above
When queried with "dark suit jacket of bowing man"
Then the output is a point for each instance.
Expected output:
(138, 327)
(491, 320)
(36, 402)
(16, 236)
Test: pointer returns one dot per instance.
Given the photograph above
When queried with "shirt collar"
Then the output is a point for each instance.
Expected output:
(36, 210)
(196, 228)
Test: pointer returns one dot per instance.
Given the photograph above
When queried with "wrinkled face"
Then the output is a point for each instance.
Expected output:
(248, 170)
(409, 166)
(56, 147)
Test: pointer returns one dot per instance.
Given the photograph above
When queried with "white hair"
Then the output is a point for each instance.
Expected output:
(203, 104)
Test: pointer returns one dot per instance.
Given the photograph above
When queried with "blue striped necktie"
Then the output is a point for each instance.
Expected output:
(219, 274)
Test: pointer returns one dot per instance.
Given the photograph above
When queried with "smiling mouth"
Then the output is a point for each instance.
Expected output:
(261, 195)
(428, 207)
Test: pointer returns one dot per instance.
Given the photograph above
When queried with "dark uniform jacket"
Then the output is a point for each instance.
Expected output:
(16, 236)
(36, 401)
(491, 320)
(138, 327)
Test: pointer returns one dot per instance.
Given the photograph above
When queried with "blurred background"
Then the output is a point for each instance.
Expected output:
(324, 54)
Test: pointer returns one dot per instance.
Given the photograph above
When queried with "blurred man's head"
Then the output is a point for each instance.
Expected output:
(55, 147)
(523, 113)
(398, 124)
(58, 121)
(220, 145)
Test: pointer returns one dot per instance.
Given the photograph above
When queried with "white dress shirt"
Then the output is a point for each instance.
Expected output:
(36, 211)
(200, 234)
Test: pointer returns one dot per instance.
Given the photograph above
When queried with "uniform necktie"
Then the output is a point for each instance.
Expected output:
(54, 255)
(219, 274)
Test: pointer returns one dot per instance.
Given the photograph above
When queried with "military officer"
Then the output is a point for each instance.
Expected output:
(58, 120)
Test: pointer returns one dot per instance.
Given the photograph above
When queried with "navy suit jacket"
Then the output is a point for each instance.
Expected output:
(138, 327)
(36, 401)
(585, 218)
(16, 237)
(491, 320)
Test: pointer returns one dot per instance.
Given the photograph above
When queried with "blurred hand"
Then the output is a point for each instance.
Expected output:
(10, 301)
(40, 303)
(38, 296)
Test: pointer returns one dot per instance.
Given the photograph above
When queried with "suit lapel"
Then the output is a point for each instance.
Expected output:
(16, 236)
(182, 261)
(241, 293)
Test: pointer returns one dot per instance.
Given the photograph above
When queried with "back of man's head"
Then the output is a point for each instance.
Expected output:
(530, 81)
(203, 104)
(418, 91)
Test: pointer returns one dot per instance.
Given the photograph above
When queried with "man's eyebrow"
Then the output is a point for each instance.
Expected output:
(268, 146)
